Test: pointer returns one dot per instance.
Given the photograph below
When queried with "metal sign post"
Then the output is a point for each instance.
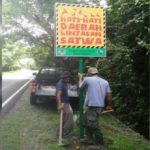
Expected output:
(81, 67)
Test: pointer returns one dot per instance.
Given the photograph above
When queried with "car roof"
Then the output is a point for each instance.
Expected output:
(55, 68)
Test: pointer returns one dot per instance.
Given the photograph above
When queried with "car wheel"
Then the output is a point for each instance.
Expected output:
(32, 99)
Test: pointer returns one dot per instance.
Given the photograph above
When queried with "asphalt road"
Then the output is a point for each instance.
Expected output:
(10, 86)
(13, 85)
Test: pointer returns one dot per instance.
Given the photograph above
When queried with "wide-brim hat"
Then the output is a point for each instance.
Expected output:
(92, 70)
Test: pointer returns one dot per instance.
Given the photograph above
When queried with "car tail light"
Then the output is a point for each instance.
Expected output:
(33, 86)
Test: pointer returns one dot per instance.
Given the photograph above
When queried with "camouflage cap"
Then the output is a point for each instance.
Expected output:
(92, 70)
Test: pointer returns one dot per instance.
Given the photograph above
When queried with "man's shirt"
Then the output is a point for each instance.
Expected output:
(64, 96)
(97, 88)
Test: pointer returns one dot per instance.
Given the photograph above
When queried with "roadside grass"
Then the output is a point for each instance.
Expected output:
(117, 136)
(28, 127)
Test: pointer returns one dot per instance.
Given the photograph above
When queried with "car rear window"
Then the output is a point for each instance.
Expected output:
(50, 72)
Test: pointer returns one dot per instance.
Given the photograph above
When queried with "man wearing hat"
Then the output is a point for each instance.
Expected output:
(97, 90)
(63, 104)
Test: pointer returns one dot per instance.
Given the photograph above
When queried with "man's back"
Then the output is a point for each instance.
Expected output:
(97, 88)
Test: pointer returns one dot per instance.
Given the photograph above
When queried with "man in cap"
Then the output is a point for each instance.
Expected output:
(63, 104)
(97, 90)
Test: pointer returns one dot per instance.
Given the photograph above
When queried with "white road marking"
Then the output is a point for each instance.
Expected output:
(9, 99)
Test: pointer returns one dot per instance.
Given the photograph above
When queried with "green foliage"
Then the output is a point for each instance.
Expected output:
(12, 55)
(126, 66)
(31, 21)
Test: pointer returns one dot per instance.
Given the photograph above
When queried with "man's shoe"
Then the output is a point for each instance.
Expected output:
(86, 141)
(65, 142)
(94, 147)
(101, 147)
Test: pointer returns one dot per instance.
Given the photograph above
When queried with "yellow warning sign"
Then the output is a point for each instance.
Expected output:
(80, 26)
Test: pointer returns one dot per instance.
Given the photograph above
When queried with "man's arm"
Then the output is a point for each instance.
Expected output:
(60, 105)
(109, 101)
(80, 76)
(85, 107)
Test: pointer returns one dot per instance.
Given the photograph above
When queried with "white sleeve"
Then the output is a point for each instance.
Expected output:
(108, 89)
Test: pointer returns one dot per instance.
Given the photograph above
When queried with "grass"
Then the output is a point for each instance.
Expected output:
(120, 137)
(28, 127)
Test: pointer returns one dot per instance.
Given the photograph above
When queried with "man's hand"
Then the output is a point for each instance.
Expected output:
(60, 106)
(109, 108)
(85, 108)
(80, 76)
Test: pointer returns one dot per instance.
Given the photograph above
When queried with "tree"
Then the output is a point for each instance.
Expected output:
(32, 21)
